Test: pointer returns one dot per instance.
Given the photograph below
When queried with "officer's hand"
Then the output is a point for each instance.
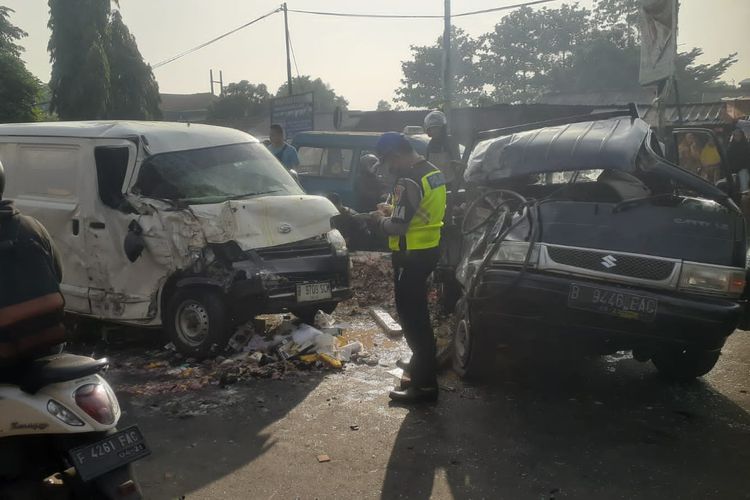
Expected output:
(385, 209)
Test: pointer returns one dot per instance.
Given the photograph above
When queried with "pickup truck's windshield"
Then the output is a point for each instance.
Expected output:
(213, 175)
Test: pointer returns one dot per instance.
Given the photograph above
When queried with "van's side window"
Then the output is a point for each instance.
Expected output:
(111, 167)
(325, 162)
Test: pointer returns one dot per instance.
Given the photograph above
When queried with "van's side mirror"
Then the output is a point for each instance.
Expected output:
(295, 176)
(134, 244)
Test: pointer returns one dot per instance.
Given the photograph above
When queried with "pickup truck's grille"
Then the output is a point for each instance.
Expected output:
(613, 263)
(306, 248)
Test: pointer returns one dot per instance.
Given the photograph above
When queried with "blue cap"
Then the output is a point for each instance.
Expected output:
(390, 142)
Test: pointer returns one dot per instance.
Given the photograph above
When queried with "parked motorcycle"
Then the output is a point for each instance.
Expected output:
(58, 436)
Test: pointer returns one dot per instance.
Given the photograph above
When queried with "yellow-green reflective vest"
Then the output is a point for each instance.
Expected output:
(424, 228)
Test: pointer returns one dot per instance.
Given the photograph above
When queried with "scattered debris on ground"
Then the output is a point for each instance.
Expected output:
(278, 346)
(372, 279)
(386, 322)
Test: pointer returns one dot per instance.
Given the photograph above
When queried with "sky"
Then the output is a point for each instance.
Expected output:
(359, 58)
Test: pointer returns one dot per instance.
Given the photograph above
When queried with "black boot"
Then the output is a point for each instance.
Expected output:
(415, 395)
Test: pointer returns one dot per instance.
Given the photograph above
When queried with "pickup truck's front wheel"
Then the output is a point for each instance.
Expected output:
(683, 365)
(197, 321)
(472, 352)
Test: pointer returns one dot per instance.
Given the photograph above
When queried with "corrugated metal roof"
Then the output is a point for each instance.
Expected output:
(712, 113)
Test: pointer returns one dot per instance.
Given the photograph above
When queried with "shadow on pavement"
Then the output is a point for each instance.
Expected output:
(608, 428)
(198, 436)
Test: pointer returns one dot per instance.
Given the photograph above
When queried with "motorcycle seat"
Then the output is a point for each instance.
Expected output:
(58, 368)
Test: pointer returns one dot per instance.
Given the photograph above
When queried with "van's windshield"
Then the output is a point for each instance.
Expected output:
(214, 175)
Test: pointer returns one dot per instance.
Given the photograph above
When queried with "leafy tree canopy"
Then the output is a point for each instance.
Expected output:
(19, 89)
(240, 100)
(326, 99)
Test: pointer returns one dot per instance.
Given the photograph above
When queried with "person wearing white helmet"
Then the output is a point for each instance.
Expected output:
(442, 150)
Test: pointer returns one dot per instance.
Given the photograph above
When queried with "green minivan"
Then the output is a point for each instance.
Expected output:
(330, 163)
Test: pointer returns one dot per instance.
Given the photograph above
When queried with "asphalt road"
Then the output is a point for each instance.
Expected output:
(544, 428)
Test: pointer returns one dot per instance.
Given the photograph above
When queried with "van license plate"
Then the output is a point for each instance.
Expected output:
(116, 450)
(310, 292)
(612, 302)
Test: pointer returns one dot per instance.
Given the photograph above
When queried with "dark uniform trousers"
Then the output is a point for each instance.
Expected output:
(411, 270)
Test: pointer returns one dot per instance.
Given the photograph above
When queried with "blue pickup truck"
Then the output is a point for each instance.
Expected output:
(330, 162)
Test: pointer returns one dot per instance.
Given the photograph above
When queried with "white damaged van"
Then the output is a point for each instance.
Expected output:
(191, 227)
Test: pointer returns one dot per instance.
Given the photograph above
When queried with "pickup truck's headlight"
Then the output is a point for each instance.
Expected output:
(712, 279)
(514, 252)
(337, 242)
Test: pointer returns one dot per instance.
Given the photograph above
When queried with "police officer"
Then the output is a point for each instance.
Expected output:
(412, 221)
(31, 305)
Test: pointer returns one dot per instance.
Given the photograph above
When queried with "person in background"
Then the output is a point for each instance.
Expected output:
(413, 223)
(442, 149)
(368, 191)
(738, 158)
(283, 152)
(710, 162)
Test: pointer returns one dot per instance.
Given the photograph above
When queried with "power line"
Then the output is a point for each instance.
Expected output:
(294, 57)
(419, 16)
(214, 40)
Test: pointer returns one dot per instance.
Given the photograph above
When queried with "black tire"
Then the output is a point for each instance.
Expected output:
(684, 365)
(198, 322)
(473, 353)
(307, 314)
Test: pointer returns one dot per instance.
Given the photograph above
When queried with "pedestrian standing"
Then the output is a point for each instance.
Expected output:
(283, 152)
(413, 222)
(442, 150)
(738, 158)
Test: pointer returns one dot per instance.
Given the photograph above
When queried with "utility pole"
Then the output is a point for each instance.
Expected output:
(220, 81)
(288, 59)
(447, 77)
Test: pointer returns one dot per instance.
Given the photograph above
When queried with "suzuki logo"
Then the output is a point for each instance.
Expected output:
(609, 262)
(285, 228)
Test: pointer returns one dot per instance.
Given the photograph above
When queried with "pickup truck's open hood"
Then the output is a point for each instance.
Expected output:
(265, 221)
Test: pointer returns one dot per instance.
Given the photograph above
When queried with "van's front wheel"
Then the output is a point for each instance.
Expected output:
(198, 322)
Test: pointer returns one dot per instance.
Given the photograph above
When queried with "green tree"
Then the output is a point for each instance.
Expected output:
(384, 105)
(694, 79)
(19, 89)
(326, 99)
(80, 69)
(240, 100)
(421, 85)
(619, 21)
(133, 91)
(524, 50)
(10, 34)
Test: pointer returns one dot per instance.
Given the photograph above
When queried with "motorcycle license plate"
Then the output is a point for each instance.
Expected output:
(309, 292)
(116, 450)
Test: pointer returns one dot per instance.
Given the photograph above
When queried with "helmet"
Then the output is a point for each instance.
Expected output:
(2, 180)
(435, 119)
(391, 142)
(368, 161)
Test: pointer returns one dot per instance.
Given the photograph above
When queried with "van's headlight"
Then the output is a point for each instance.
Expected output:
(337, 242)
(712, 279)
(514, 252)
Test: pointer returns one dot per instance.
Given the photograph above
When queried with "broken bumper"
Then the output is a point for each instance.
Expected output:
(536, 307)
(270, 285)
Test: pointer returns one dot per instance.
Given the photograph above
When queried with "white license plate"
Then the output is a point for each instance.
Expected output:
(310, 292)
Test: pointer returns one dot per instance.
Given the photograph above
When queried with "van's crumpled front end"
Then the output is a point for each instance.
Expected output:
(272, 253)
(598, 244)
(243, 240)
